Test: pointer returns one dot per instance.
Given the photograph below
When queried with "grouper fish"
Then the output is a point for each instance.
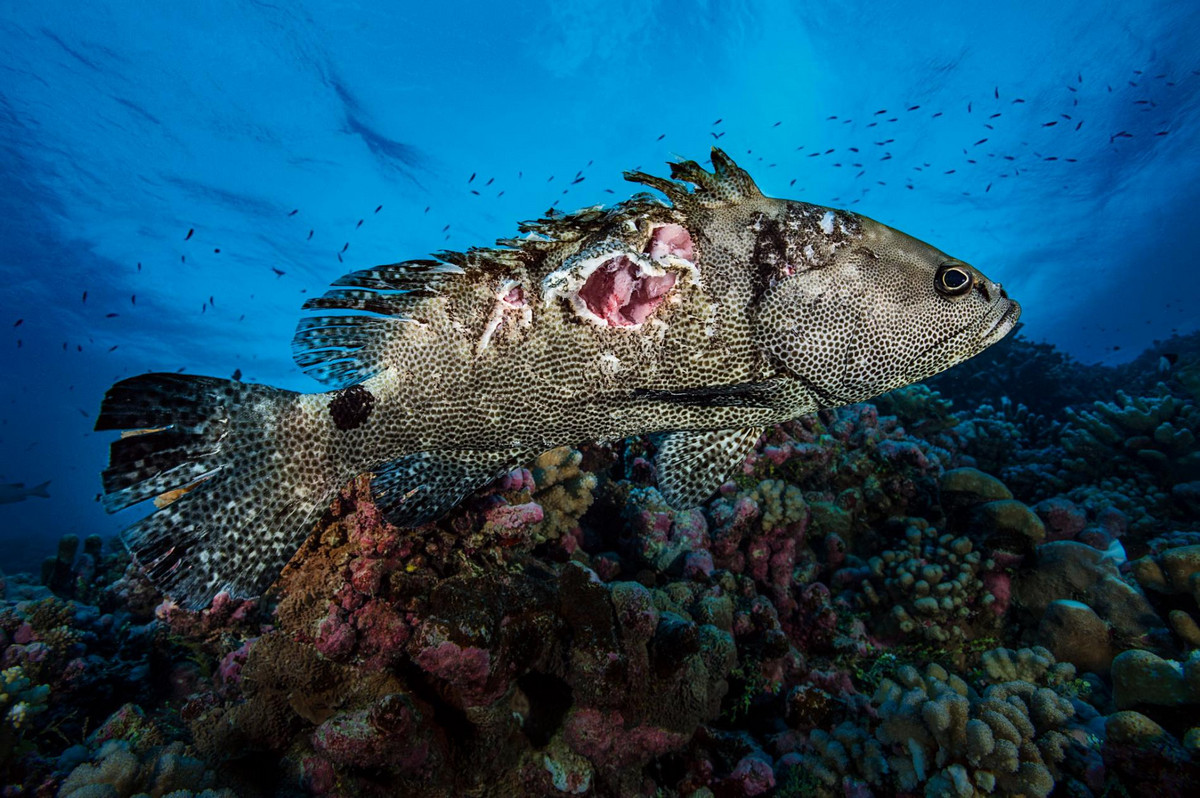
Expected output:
(706, 317)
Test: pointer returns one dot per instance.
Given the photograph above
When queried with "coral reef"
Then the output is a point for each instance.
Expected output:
(987, 585)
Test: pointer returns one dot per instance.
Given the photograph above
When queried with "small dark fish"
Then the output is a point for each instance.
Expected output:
(1050, 124)
(717, 135)
(345, 246)
(661, 137)
(294, 211)
(883, 111)
(1017, 100)
(133, 299)
(217, 251)
(935, 116)
(139, 265)
(113, 347)
(1162, 132)
(471, 179)
(444, 229)
(989, 188)
(996, 92)
(427, 209)
(968, 108)
(237, 374)
(360, 221)
(340, 258)
(980, 142)
(475, 192)
(278, 272)
(189, 235)
(211, 302)
(183, 259)
(378, 208)
(111, 315)
(310, 233)
(717, 122)
(993, 116)
(913, 107)
(19, 322)
(203, 307)
(777, 124)
(1079, 125)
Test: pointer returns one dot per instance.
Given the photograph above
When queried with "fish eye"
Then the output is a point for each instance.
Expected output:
(952, 280)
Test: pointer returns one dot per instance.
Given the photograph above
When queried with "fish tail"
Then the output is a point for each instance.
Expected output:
(41, 490)
(233, 503)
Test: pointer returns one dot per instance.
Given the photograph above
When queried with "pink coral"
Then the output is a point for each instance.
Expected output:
(753, 775)
(602, 737)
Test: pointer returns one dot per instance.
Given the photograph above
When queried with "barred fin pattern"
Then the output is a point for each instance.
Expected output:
(240, 512)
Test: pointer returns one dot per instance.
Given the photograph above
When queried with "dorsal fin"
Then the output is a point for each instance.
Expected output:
(727, 183)
(341, 350)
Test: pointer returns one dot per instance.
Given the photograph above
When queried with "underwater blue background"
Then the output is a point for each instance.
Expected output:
(1053, 145)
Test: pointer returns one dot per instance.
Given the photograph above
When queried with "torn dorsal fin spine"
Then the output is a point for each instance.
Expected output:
(727, 183)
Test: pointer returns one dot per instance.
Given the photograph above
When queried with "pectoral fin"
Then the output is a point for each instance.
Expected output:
(692, 465)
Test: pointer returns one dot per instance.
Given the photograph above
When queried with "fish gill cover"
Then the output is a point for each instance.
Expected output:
(987, 590)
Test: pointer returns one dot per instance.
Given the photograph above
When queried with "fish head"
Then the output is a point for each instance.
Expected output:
(860, 308)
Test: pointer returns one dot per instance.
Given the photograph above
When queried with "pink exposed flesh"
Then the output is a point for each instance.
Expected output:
(515, 297)
(621, 295)
(670, 239)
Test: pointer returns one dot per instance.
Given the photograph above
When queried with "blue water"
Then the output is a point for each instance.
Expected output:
(122, 128)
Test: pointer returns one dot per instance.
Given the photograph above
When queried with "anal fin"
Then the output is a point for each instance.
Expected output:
(423, 486)
(692, 465)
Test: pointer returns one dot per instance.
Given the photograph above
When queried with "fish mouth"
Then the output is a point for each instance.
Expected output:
(1003, 323)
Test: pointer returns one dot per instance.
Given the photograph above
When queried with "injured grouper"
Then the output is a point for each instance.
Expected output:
(708, 317)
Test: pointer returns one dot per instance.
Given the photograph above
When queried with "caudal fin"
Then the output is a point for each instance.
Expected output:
(233, 503)
(41, 490)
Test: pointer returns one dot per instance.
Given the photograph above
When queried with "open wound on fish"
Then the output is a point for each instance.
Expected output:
(623, 288)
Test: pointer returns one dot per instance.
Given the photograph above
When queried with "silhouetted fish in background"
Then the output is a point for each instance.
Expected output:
(709, 318)
(17, 492)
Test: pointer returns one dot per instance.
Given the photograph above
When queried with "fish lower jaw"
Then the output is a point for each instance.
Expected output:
(1003, 324)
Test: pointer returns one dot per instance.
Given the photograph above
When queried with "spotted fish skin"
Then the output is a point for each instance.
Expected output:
(707, 317)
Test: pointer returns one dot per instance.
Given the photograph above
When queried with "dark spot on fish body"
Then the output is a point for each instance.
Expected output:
(770, 255)
(351, 407)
